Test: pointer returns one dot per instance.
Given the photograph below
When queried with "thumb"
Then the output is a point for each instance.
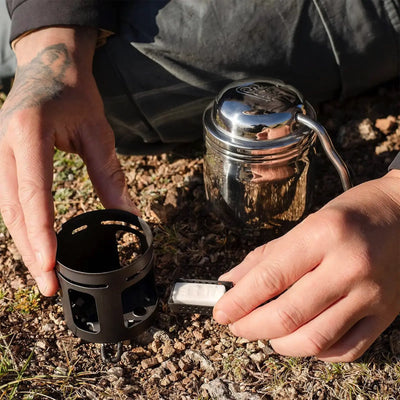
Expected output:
(105, 172)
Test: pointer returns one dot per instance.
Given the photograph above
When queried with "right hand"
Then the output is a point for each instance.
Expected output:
(54, 102)
(330, 286)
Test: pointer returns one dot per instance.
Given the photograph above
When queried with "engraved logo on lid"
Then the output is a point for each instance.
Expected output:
(273, 98)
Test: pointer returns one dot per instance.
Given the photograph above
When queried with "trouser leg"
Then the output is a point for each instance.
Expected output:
(7, 57)
(172, 57)
(149, 109)
(168, 72)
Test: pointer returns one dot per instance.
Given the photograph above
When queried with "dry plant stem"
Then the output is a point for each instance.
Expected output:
(7, 347)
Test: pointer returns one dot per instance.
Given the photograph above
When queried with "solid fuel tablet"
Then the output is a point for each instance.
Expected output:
(199, 294)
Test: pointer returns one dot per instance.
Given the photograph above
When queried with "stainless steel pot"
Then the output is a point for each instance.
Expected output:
(260, 141)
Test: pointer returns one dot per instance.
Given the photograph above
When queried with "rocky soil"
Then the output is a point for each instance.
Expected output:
(191, 356)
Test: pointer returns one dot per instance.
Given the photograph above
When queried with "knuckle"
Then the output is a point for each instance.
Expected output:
(271, 279)
(362, 259)
(27, 191)
(113, 170)
(118, 176)
(253, 257)
(240, 307)
(360, 269)
(315, 343)
(290, 320)
(266, 249)
(21, 131)
(376, 297)
(261, 252)
(29, 261)
(16, 122)
(10, 215)
(253, 254)
(333, 226)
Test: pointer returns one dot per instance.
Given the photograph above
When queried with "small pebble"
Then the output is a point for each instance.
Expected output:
(149, 362)
(258, 357)
(117, 371)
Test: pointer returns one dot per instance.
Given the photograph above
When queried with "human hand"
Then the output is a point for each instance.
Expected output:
(333, 281)
(54, 102)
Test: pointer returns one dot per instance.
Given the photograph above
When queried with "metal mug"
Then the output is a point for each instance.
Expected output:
(260, 141)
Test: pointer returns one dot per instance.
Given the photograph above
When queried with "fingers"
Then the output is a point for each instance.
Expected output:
(356, 341)
(34, 164)
(338, 329)
(40, 239)
(353, 299)
(268, 271)
(302, 302)
(105, 170)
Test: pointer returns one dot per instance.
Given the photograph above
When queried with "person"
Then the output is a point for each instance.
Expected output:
(151, 67)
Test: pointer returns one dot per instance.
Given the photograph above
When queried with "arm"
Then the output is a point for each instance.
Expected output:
(54, 102)
(336, 277)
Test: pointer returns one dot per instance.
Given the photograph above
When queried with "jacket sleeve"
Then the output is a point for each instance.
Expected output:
(395, 163)
(27, 15)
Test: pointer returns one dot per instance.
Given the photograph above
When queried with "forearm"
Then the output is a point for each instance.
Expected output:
(49, 61)
(76, 43)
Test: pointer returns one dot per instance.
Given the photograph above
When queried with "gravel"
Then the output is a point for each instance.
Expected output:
(191, 356)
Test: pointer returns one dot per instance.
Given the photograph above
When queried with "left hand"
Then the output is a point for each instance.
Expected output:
(334, 279)
(54, 102)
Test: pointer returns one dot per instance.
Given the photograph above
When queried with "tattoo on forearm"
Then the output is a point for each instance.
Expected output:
(37, 82)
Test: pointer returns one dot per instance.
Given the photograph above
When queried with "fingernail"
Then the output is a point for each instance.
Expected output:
(224, 277)
(131, 206)
(233, 329)
(221, 317)
(137, 212)
(271, 344)
(42, 284)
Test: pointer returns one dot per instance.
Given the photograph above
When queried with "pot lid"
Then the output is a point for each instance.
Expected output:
(257, 110)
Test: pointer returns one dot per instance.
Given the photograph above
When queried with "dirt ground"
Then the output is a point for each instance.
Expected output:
(191, 356)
